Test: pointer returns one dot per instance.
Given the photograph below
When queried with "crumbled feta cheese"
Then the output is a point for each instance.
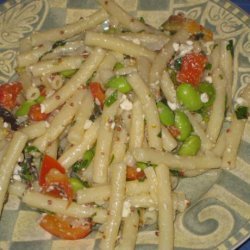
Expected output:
(126, 209)
(204, 98)
(173, 105)
(125, 103)
(5, 125)
(42, 108)
(176, 46)
(112, 125)
(185, 49)
(241, 101)
(87, 124)
(209, 79)
(16, 177)
(138, 170)
(189, 42)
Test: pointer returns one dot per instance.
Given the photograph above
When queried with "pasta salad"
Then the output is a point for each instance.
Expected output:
(108, 113)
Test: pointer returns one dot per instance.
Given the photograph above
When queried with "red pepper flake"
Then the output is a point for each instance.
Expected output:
(228, 130)
(57, 97)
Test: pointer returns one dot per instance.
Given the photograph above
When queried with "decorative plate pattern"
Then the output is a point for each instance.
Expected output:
(219, 217)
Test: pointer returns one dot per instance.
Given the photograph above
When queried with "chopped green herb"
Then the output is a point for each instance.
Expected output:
(143, 165)
(176, 172)
(208, 66)
(84, 163)
(118, 65)
(141, 19)
(29, 149)
(230, 47)
(111, 99)
(241, 112)
(177, 63)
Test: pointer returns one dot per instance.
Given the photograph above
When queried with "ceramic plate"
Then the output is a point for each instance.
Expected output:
(219, 215)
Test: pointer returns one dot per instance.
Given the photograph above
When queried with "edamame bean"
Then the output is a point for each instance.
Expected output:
(68, 73)
(120, 83)
(191, 146)
(76, 184)
(189, 97)
(166, 114)
(208, 89)
(183, 124)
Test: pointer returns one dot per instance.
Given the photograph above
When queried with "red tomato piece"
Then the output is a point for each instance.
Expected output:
(58, 185)
(192, 68)
(35, 113)
(97, 92)
(67, 228)
(47, 164)
(132, 174)
(9, 93)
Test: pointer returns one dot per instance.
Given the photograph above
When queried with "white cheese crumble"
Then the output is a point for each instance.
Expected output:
(87, 124)
(138, 170)
(176, 46)
(204, 98)
(185, 49)
(125, 103)
(241, 101)
(209, 79)
(189, 42)
(126, 209)
(5, 125)
(173, 105)
(42, 108)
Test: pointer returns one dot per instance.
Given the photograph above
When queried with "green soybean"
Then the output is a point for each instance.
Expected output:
(76, 184)
(191, 146)
(189, 97)
(183, 124)
(68, 73)
(120, 83)
(166, 114)
(207, 88)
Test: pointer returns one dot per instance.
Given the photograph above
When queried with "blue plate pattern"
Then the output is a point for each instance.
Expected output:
(219, 217)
